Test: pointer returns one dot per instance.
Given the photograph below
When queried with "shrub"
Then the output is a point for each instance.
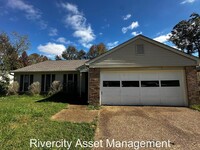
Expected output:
(13, 88)
(34, 88)
(3, 88)
(56, 87)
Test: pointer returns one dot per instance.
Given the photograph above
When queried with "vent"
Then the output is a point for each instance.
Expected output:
(140, 49)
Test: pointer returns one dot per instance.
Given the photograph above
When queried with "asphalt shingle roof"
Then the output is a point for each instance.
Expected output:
(48, 66)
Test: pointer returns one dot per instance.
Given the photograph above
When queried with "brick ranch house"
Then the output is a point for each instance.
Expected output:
(140, 71)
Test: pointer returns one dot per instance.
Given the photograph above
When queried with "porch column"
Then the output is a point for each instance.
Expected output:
(192, 85)
(94, 86)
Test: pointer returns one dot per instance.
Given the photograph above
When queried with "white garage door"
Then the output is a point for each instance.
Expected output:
(160, 87)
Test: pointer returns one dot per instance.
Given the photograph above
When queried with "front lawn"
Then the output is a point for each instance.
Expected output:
(196, 107)
(23, 118)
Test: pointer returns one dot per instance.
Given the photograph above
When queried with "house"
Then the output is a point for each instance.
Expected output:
(140, 71)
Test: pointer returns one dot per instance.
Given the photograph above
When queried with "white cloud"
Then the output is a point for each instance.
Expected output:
(163, 38)
(188, 1)
(31, 13)
(64, 41)
(53, 32)
(130, 27)
(87, 45)
(126, 17)
(100, 33)
(77, 21)
(70, 7)
(136, 33)
(86, 35)
(51, 48)
(112, 45)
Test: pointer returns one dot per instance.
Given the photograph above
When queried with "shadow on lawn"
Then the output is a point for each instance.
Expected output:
(65, 98)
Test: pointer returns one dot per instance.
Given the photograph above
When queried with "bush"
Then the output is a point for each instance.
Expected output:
(56, 87)
(34, 88)
(13, 88)
(3, 88)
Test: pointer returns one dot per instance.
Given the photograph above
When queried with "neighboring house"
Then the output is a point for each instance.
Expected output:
(140, 71)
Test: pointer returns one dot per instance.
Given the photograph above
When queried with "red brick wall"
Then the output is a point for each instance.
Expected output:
(192, 85)
(94, 86)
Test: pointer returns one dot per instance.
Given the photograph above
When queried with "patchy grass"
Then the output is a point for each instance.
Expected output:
(23, 118)
(196, 107)
(94, 107)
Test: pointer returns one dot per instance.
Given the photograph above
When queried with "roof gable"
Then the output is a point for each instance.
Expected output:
(124, 55)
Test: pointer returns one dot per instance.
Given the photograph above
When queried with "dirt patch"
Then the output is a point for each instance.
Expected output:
(76, 114)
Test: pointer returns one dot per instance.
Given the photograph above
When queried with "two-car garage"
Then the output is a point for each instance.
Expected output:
(143, 87)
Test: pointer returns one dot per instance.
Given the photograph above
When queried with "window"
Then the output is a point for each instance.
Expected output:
(46, 80)
(70, 82)
(170, 83)
(25, 81)
(43, 82)
(130, 83)
(111, 83)
(150, 83)
(139, 49)
(21, 82)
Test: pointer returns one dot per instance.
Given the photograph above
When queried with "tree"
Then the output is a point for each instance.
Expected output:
(70, 53)
(36, 58)
(96, 50)
(186, 35)
(58, 57)
(10, 49)
(101, 48)
(24, 60)
(81, 54)
(92, 53)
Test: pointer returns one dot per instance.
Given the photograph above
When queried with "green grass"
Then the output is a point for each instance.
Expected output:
(23, 118)
(196, 107)
(94, 107)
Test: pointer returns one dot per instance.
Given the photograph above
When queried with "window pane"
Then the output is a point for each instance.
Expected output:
(111, 83)
(53, 77)
(70, 77)
(48, 82)
(21, 82)
(31, 79)
(150, 83)
(170, 83)
(130, 83)
(26, 82)
(75, 78)
(64, 82)
(42, 85)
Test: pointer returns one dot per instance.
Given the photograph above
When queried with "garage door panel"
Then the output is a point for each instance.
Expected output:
(172, 96)
(150, 96)
(130, 95)
(149, 75)
(152, 87)
(166, 75)
(130, 76)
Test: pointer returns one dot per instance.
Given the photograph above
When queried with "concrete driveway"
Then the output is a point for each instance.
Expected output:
(128, 123)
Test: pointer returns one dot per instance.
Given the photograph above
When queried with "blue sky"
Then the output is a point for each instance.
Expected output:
(52, 25)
